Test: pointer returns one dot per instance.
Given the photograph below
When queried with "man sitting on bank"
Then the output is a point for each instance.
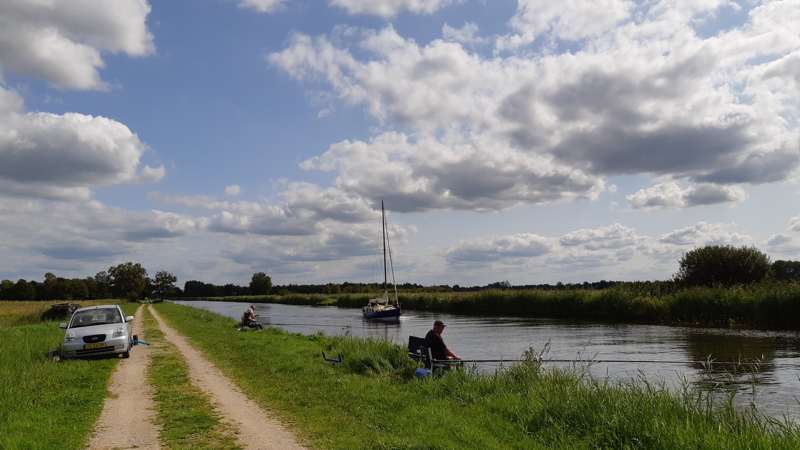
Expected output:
(434, 341)
(249, 318)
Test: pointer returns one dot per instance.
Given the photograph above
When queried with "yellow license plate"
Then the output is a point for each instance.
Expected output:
(94, 345)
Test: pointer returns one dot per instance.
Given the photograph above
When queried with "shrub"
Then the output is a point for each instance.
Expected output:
(722, 265)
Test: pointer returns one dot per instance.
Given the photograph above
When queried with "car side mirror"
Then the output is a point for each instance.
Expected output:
(129, 319)
(63, 325)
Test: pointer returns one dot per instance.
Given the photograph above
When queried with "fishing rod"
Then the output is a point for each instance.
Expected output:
(609, 361)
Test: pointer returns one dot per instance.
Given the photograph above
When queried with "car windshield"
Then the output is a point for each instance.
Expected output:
(99, 316)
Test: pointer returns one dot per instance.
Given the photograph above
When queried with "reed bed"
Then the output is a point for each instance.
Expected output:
(768, 305)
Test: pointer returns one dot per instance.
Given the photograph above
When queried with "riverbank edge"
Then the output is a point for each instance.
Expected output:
(370, 401)
(767, 306)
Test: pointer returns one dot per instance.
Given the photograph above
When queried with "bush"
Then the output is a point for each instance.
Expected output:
(722, 265)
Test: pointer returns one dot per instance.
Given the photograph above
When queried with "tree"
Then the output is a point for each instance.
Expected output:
(128, 280)
(102, 285)
(164, 283)
(722, 265)
(786, 270)
(260, 284)
(23, 290)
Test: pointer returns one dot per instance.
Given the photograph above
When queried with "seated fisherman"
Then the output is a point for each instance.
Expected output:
(434, 341)
(249, 318)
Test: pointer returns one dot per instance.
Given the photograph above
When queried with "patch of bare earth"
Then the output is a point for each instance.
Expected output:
(255, 428)
(128, 417)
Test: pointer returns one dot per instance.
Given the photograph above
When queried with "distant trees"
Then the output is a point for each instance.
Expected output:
(722, 265)
(260, 284)
(786, 270)
(164, 284)
(128, 280)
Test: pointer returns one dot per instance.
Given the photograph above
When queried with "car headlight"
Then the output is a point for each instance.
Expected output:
(69, 336)
(119, 332)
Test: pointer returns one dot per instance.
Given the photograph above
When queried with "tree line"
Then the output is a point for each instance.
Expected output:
(712, 265)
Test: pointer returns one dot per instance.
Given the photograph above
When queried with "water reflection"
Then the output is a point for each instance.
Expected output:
(777, 354)
(732, 362)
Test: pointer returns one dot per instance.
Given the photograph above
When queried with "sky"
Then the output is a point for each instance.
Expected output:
(530, 141)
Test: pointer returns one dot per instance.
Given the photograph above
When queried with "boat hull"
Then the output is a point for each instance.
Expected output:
(383, 314)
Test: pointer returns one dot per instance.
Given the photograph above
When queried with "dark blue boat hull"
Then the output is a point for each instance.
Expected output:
(389, 314)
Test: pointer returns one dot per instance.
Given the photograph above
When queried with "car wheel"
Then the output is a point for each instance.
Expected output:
(126, 355)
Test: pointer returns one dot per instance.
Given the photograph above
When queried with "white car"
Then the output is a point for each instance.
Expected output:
(97, 330)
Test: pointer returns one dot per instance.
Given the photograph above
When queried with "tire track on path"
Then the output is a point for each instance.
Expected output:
(255, 428)
(128, 417)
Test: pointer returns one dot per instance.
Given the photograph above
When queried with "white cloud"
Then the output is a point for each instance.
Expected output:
(570, 20)
(233, 190)
(390, 8)
(61, 42)
(672, 195)
(704, 233)
(794, 223)
(63, 156)
(612, 237)
(431, 174)
(507, 248)
(263, 6)
(467, 34)
(647, 97)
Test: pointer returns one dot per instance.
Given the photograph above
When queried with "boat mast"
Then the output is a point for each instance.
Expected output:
(383, 236)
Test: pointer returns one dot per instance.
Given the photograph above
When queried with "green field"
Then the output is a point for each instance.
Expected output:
(46, 404)
(372, 401)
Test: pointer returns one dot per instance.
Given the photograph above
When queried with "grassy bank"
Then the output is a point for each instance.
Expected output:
(46, 404)
(372, 401)
(768, 305)
(185, 416)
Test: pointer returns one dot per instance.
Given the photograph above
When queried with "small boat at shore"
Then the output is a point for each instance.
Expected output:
(382, 308)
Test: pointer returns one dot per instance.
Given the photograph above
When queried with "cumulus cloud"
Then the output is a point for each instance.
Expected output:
(612, 237)
(512, 247)
(233, 190)
(672, 195)
(704, 233)
(62, 42)
(390, 8)
(648, 97)
(63, 156)
(467, 34)
(431, 174)
(262, 6)
(563, 20)
(794, 223)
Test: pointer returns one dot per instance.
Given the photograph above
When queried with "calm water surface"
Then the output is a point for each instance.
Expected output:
(776, 376)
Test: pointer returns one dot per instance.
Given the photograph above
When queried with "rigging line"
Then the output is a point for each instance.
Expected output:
(391, 264)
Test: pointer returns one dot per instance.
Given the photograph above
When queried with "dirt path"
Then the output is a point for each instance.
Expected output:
(255, 428)
(128, 418)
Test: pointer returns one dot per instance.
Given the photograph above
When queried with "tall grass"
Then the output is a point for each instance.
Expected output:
(371, 400)
(768, 305)
(29, 312)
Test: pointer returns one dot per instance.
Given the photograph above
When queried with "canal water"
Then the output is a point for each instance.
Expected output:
(769, 374)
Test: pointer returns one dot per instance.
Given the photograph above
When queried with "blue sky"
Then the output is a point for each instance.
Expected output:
(522, 140)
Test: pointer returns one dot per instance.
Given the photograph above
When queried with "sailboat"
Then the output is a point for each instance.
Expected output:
(381, 308)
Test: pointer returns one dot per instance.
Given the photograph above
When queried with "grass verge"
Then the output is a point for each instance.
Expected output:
(371, 401)
(46, 404)
(186, 417)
